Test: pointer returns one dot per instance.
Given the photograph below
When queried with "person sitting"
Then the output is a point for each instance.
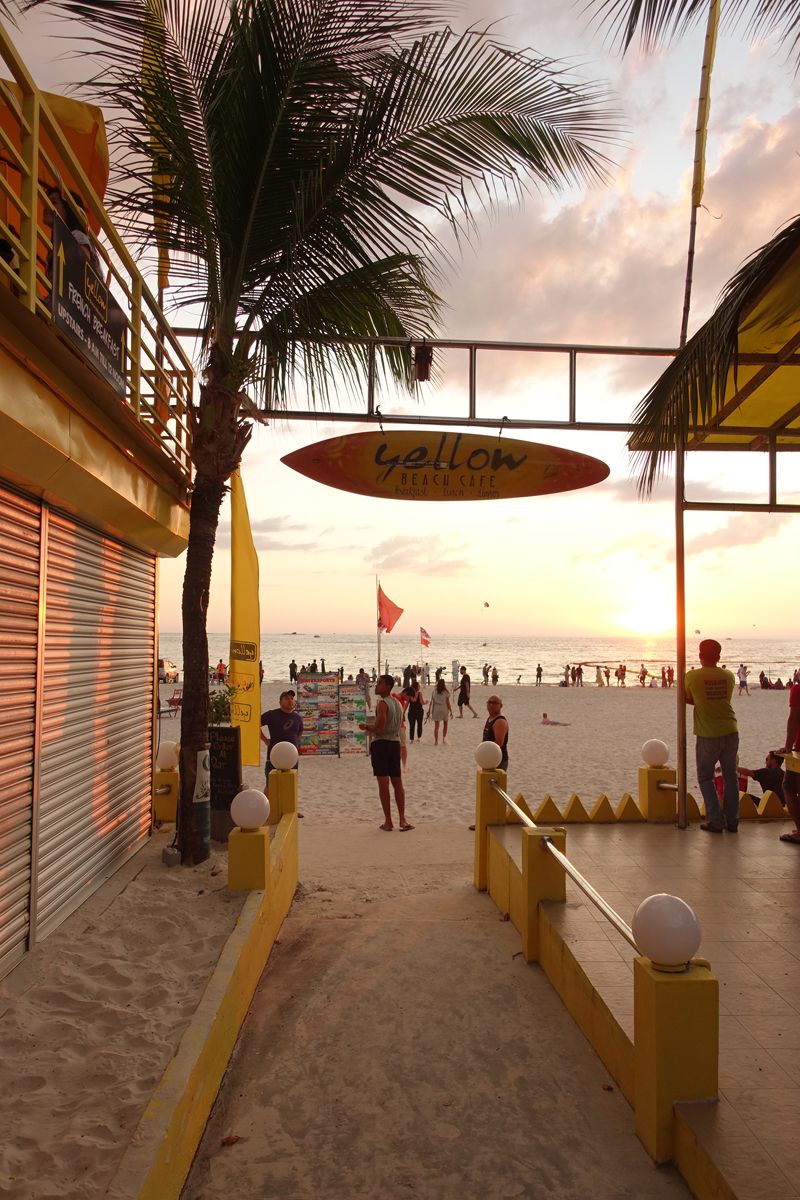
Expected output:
(770, 776)
(719, 783)
(778, 685)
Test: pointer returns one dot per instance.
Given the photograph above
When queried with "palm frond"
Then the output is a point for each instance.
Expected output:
(655, 21)
(299, 145)
(692, 389)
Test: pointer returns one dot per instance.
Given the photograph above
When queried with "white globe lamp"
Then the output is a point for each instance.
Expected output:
(488, 755)
(655, 753)
(666, 930)
(283, 756)
(250, 810)
(167, 757)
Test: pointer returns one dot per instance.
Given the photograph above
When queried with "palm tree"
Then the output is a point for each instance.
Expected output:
(692, 389)
(299, 149)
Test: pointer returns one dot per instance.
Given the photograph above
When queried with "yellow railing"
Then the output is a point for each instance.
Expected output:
(158, 376)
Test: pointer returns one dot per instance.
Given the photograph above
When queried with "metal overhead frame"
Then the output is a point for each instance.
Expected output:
(760, 439)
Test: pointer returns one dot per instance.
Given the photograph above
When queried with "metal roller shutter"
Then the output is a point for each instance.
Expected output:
(20, 523)
(97, 714)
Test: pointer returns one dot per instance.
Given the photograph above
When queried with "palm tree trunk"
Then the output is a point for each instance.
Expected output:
(204, 517)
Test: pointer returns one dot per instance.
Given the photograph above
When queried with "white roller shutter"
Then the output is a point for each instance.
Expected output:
(97, 714)
(20, 520)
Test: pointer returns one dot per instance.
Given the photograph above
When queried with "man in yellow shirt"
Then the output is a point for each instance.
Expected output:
(709, 689)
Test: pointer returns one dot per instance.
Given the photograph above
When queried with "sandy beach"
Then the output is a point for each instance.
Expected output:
(90, 1019)
(599, 750)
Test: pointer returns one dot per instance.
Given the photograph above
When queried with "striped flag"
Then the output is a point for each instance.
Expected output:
(424, 636)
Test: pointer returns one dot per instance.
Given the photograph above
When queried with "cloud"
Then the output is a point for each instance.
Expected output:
(700, 491)
(609, 269)
(642, 546)
(263, 530)
(422, 555)
(740, 529)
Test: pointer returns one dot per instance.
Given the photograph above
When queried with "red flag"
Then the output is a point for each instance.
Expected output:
(388, 613)
(424, 636)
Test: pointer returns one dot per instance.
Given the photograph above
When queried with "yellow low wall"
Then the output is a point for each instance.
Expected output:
(585, 1004)
(157, 1162)
(671, 1068)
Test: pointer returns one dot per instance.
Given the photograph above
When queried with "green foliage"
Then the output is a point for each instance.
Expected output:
(219, 705)
(219, 702)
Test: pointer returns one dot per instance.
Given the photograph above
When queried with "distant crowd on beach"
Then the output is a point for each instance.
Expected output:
(400, 709)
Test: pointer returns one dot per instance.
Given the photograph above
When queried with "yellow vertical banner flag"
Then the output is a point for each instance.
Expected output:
(244, 669)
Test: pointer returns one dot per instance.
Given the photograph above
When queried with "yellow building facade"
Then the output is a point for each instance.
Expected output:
(95, 397)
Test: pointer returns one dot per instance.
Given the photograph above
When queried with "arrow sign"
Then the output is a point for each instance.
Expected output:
(62, 258)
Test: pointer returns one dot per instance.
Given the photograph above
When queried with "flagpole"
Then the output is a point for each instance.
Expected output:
(378, 612)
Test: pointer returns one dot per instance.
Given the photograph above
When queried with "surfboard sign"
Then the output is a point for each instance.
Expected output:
(431, 465)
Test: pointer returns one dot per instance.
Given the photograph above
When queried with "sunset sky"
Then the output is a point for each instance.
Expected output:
(602, 266)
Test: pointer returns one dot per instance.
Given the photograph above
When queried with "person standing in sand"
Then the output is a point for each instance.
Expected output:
(416, 710)
(284, 724)
(496, 728)
(538, 674)
(709, 689)
(463, 695)
(384, 753)
(439, 710)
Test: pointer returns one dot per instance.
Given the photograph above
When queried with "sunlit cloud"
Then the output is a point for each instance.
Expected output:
(421, 555)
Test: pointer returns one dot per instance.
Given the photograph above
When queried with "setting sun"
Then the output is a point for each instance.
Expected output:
(652, 614)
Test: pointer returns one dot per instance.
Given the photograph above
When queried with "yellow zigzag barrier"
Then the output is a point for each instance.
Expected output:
(602, 813)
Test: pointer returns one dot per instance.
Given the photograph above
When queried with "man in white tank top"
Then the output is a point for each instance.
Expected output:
(385, 753)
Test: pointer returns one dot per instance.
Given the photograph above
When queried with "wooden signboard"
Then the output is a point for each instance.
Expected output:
(431, 465)
(226, 777)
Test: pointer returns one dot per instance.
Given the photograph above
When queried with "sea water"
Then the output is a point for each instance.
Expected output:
(515, 658)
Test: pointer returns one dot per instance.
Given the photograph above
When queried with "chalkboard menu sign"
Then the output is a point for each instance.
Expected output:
(226, 777)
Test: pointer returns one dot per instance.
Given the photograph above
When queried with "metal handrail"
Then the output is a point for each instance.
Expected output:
(546, 843)
(161, 415)
(608, 912)
(495, 786)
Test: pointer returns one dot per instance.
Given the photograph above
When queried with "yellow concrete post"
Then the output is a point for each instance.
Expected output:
(248, 859)
(654, 805)
(490, 809)
(542, 879)
(282, 794)
(165, 804)
(676, 1046)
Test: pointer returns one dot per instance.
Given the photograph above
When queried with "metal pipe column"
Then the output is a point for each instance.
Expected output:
(680, 626)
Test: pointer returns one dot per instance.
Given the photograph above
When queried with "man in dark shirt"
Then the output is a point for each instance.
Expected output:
(770, 776)
(284, 725)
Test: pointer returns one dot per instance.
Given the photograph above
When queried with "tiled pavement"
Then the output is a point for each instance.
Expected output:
(745, 888)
